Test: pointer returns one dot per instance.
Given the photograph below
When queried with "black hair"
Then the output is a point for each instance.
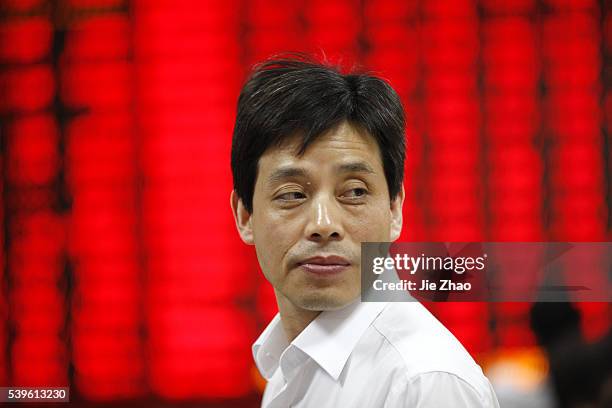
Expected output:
(297, 94)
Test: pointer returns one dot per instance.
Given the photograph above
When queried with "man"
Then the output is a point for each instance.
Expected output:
(318, 162)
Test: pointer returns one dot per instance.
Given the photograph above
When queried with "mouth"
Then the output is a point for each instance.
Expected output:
(325, 265)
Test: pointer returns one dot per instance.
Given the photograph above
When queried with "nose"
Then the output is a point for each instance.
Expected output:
(324, 221)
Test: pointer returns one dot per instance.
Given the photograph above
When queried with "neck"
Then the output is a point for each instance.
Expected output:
(293, 318)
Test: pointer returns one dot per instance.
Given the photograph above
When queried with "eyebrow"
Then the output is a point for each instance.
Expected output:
(284, 173)
(288, 172)
(355, 167)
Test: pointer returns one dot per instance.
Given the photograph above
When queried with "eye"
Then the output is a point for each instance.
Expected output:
(291, 196)
(355, 193)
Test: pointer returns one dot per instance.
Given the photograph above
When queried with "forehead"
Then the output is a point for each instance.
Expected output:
(345, 142)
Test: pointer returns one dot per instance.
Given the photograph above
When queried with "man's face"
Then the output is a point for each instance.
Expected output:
(311, 213)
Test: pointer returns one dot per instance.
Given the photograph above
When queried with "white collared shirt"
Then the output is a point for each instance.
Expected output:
(370, 355)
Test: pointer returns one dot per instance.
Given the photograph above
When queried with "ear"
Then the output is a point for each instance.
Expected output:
(396, 215)
(243, 219)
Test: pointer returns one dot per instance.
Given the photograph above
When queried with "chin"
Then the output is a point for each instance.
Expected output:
(320, 302)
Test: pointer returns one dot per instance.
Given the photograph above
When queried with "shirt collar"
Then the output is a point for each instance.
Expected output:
(328, 340)
(268, 348)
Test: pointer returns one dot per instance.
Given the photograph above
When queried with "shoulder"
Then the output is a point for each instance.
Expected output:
(427, 353)
(439, 389)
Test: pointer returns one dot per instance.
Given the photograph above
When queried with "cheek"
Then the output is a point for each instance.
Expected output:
(268, 253)
(371, 224)
(274, 235)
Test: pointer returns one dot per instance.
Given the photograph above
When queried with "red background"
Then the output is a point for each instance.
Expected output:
(122, 274)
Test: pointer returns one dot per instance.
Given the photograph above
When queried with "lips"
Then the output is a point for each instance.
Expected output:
(325, 265)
